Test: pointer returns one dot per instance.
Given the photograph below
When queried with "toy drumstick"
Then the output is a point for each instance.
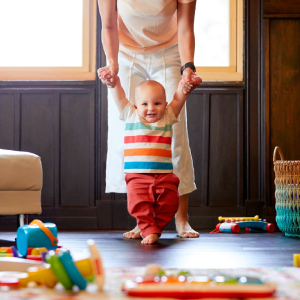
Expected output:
(97, 264)
(256, 218)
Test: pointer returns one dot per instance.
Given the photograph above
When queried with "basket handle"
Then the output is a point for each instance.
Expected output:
(48, 233)
(280, 153)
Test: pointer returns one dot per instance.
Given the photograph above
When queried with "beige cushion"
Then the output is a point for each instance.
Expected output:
(20, 202)
(20, 171)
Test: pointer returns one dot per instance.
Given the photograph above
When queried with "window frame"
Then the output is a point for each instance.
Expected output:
(86, 72)
(234, 72)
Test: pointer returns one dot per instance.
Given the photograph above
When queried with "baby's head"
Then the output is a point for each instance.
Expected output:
(150, 100)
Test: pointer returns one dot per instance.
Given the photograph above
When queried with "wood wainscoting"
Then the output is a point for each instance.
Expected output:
(281, 85)
(56, 122)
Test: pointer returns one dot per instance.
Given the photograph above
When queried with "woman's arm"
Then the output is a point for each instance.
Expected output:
(186, 40)
(110, 38)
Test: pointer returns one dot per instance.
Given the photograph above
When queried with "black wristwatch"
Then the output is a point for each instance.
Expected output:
(188, 65)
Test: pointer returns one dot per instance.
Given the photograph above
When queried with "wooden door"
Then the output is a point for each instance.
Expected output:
(281, 85)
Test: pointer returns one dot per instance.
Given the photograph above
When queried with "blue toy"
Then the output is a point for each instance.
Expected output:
(36, 235)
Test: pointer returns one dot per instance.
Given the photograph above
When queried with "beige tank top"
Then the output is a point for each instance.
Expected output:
(146, 26)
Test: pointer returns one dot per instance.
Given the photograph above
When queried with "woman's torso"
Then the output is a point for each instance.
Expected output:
(146, 26)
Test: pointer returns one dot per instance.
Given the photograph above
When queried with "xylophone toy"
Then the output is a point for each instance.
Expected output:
(183, 285)
(250, 224)
(61, 268)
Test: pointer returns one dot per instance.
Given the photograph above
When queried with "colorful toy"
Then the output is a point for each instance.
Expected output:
(35, 235)
(61, 268)
(97, 264)
(296, 259)
(38, 254)
(234, 225)
(185, 286)
(256, 218)
(8, 252)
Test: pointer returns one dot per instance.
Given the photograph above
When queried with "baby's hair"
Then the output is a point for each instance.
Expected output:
(150, 83)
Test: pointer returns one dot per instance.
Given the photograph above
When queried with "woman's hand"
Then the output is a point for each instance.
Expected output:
(108, 75)
(191, 81)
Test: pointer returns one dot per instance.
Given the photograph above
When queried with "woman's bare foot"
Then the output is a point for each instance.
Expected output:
(182, 219)
(150, 239)
(135, 233)
(185, 230)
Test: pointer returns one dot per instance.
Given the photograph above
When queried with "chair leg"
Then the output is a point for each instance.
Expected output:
(22, 220)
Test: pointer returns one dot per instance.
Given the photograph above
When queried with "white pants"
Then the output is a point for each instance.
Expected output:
(162, 66)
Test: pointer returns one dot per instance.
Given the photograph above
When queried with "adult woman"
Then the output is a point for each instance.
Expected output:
(150, 39)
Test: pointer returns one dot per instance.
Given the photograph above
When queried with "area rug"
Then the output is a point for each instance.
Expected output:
(287, 280)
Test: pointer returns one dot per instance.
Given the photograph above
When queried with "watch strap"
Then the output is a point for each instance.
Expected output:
(188, 65)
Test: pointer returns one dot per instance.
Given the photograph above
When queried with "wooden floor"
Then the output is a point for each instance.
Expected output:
(209, 251)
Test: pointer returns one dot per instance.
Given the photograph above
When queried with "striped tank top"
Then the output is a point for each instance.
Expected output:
(147, 146)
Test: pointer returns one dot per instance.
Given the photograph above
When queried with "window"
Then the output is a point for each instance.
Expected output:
(47, 40)
(219, 40)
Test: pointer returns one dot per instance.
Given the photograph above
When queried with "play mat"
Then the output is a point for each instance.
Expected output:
(287, 281)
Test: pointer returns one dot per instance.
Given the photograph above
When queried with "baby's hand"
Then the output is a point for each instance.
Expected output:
(189, 86)
(186, 87)
(105, 75)
(196, 80)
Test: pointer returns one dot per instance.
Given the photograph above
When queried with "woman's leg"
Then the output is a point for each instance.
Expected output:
(182, 219)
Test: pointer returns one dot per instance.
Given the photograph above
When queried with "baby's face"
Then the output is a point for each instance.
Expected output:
(150, 102)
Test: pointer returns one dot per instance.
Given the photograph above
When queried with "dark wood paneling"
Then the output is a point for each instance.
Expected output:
(281, 7)
(77, 149)
(121, 217)
(252, 99)
(57, 122)
(104, 214)
(70, 217)
(284, 85)
(7, 121)
(37, 136)
(223, 162)
(197, 120)
(207, 217)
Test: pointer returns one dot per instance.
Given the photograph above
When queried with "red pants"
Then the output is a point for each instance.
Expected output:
(152, 199)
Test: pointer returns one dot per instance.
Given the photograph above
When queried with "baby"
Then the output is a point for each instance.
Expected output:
(152, 187)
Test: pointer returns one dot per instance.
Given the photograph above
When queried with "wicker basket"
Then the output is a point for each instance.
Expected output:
(287, 194)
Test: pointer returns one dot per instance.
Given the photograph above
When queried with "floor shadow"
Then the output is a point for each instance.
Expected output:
(5, 243)
(161, 244)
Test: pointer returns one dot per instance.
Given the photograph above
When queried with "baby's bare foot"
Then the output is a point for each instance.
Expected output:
(185, 230)
(150, 239)
(133, 234)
